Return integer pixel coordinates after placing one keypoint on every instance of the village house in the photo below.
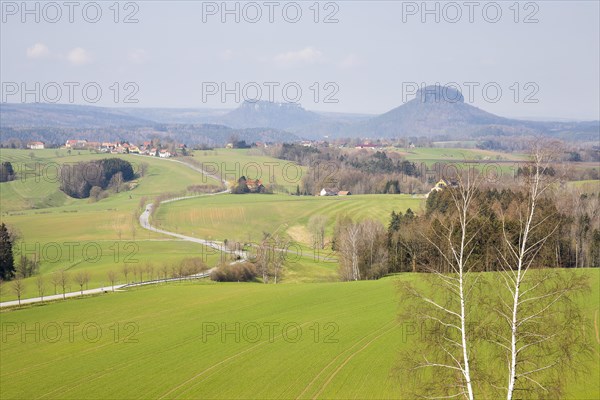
(255, 185)
(333, 192)
(93, 145)
(76, 143)
(107, 147)
(328, 192)
(367, 145)
(35, 145)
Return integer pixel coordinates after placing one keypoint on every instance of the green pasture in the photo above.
(231, 164)
(246, 217)
(222, 341)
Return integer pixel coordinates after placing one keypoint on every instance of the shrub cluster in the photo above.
(6, 172)
(238, 272)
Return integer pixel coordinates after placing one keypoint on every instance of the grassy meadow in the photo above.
(77, 234)
(236, 340)
(311, 337)
(246, 217)
(230, 164)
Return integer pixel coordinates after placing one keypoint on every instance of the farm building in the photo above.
(35, 145)
(76, 143)
(334, 192)
(329, 192)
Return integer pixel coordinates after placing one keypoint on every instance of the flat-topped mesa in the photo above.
(439, 94)
(269, 105)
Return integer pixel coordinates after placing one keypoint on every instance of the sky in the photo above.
(527, 59)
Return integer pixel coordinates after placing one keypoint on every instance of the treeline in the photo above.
(360, 172)
(362, 249)
(83, 179)
(571, 236)
(575, 153)
(569, 227)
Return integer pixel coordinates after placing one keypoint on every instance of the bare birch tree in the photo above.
(55, 280)
(278, 258)
(63, 279)
(80, 278)
(536, 306)
(262, 258)
(316, 227)
(40, 282)
(18, 287)
(445, 309)
(349, 247)
(112, 278)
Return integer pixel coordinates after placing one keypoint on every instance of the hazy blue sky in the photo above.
(373, 54)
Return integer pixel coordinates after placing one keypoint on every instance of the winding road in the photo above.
(145, 223)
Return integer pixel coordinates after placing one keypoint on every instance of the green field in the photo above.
(155, 341)
(587, 186)
(76, 234)
(230, 164)
(172, 342)
(246, 217)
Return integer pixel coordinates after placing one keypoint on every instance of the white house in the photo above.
(328, 192)
(76, 143)
(35, 145)
(164, 154)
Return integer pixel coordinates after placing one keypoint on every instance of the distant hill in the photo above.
(289, 116)
(176, 115)
(65, 116)
(435, 111)
(441, 111)
(55, 123)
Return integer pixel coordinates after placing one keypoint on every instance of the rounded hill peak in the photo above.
(439, 94)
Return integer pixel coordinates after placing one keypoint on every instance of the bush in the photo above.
(7, 172)
(238, 272)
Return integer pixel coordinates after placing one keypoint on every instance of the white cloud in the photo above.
(79, 56)
(308, 55)
(38, 50)
(350, 61)
(226, 55)
(137, 56)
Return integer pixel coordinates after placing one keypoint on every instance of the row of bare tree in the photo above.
(138, 272)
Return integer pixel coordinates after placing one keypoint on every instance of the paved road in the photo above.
(145, 216)
(57, 296)
(106, 289)
(145, 223)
